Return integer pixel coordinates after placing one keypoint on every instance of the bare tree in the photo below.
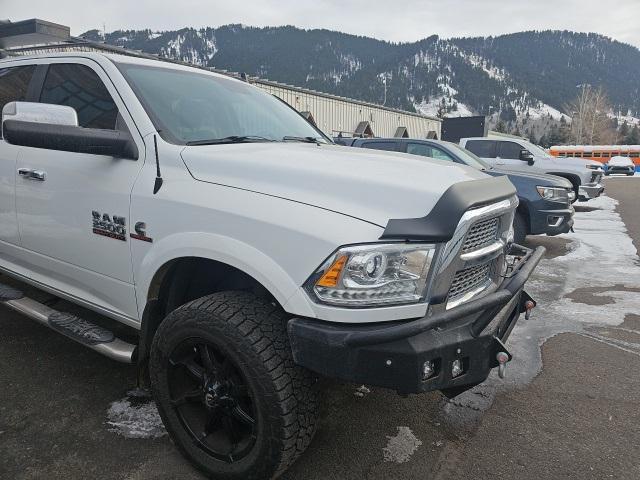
(590, 122)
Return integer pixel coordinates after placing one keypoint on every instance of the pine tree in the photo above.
(623, 132)
(633, 138)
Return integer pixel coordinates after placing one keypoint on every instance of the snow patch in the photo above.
(401, 446)
(601, 254)
(543, 110)
(431, 107)
(135, 416)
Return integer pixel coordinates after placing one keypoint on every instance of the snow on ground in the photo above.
(431, 107)
(543, 110)
(401, 446)
(630, 119)
(135, 416)
(600, 254)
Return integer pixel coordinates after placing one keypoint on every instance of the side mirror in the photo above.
(526, 156)
(55, 127)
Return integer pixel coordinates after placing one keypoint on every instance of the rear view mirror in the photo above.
(55, 127)
(40, 113)
(526, 156)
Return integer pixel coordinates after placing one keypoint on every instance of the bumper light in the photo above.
(428, 370)
(373, 275)
(457, 368)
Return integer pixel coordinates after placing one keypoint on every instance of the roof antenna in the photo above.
(158, 182)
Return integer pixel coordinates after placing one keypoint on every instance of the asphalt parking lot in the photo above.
(568, 408)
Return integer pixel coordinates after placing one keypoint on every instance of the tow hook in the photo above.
(528, 306)
(502, 358)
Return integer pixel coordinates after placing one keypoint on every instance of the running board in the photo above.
(82, 331)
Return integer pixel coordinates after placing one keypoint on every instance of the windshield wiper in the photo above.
(289, 138)
(231, 139)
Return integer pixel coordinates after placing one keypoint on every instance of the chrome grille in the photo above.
(481, 234)
(469, 279)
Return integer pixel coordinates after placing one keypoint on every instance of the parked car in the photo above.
(544, 200)
(521, 155)
(247, 253)
(619, 164)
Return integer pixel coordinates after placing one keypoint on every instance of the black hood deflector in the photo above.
(441, 222)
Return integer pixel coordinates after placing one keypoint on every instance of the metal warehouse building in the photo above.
(333, 114)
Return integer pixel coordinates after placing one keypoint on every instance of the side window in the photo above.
(390, 146)
(14, 83)
(419, 149)
(482, 148)
(80, 87)
(441, 155)
(510, 150)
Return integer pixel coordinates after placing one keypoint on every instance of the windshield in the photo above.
(188, 107)
(468, 157)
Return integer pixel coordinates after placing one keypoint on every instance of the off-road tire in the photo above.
(253, 333)
(519, 228)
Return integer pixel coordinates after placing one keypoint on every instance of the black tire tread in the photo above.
(260, 327)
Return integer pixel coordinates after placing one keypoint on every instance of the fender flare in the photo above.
(237, 254)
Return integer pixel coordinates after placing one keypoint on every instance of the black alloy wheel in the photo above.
(212, 400)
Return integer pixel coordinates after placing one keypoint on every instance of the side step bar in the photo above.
(88, 334)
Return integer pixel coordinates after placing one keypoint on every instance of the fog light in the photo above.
(456, 368)
(428, 370)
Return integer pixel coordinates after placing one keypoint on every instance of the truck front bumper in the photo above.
(589, 191)
(465, 339)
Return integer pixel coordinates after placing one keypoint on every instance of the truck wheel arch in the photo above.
(232, 265)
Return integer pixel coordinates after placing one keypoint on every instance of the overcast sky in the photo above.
(394, 20)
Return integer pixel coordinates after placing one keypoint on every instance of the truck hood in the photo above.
(575, 163)
(370, 185)
(540, 179)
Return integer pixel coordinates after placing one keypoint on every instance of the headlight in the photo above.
(373, 275)
(555, 194)
(594, 167)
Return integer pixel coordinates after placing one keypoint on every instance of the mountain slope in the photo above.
(532, 74)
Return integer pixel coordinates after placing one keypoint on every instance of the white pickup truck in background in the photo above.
(520, 155)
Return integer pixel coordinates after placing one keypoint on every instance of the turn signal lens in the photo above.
(373, 275)
(332, 275)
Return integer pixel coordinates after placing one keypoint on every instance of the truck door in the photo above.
(14, 84)
(508, 157)
(74, 219)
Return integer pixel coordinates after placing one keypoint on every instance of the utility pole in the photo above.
(384, 80)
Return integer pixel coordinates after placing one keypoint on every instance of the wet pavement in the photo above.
(567, 409)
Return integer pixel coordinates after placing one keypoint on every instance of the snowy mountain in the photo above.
(530, 76)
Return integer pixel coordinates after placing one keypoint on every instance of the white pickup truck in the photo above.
(248, 253)
(519, 155)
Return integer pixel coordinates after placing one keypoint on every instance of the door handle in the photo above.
(31, 174)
